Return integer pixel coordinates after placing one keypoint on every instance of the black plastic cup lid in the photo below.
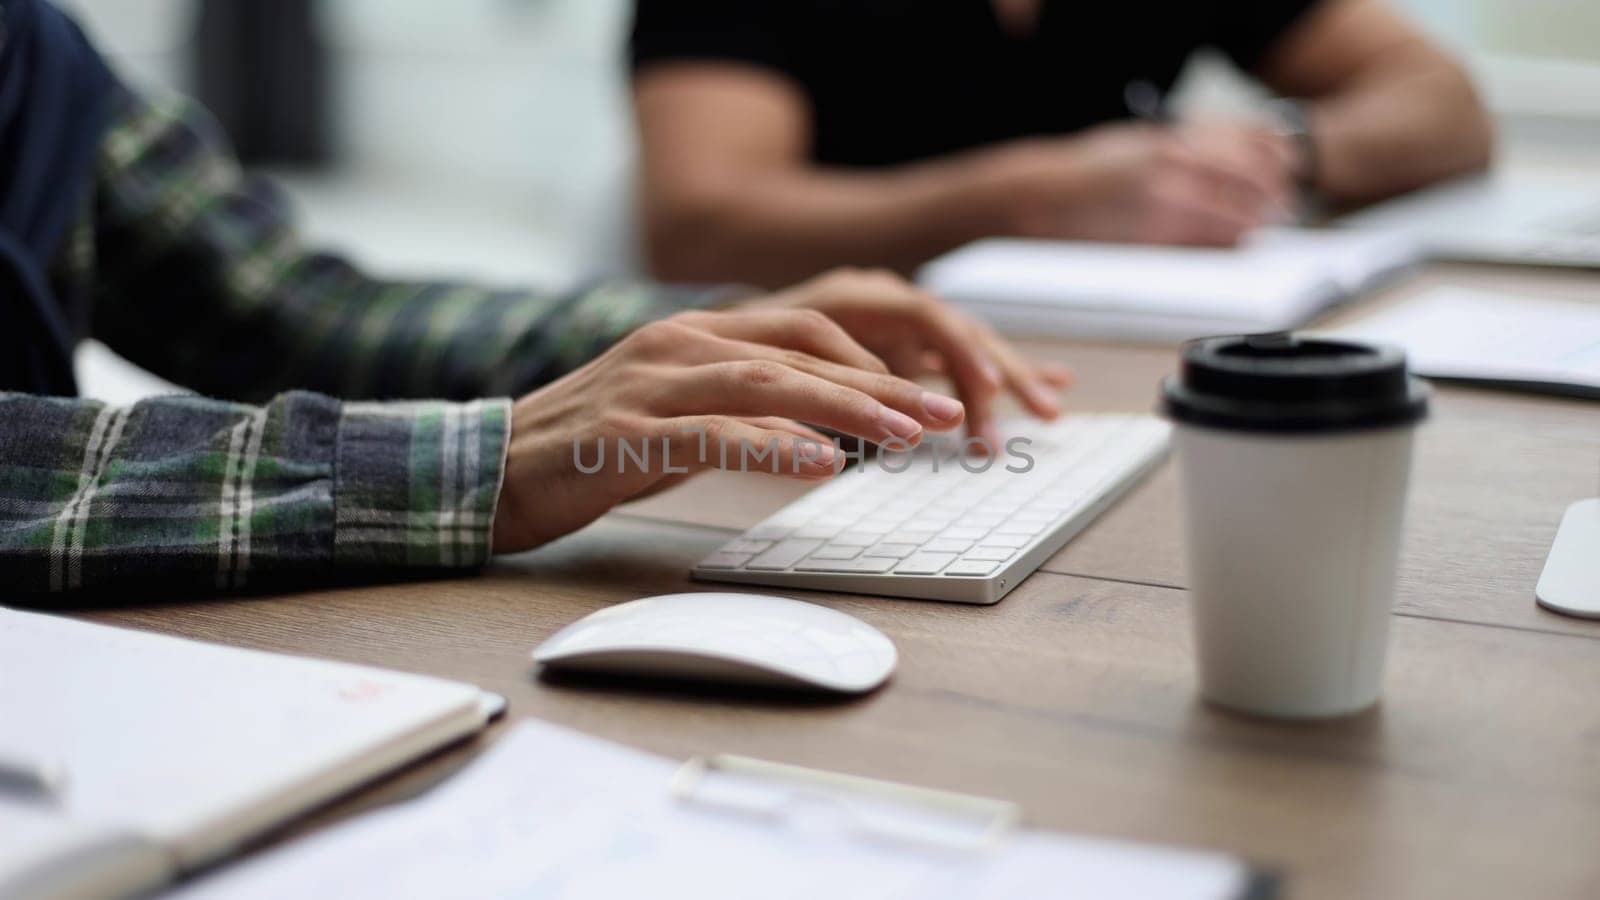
(1288, 383)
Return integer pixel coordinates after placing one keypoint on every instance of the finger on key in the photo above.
(759, 387)
(928, 409)
(724, 442)
(803, 330)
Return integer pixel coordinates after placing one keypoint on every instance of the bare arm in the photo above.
(1390, 110)
(729, 193)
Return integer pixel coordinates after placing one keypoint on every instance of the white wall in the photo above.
(510, 111)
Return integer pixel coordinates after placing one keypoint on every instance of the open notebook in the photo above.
(1278, 279)
(172, 753)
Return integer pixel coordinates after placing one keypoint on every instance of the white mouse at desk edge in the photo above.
(734, 638)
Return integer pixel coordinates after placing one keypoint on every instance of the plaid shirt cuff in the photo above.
(416, 484)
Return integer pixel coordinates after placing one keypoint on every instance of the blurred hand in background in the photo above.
(1205, 184)
(779, 140)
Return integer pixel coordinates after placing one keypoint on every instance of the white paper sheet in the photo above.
(197, 746)
(550, 813)
(1504, 338)
(1279, 278)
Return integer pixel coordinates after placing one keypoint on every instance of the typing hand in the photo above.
(699, 390)
(1207, 184)
(917, 335)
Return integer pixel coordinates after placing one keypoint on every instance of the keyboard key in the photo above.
(750, 548)
(869, 565)
(783, 555)
(886, 530)
(897, 551)
(725, 560)
(924, 563)
(1007, 540)
(859, 538)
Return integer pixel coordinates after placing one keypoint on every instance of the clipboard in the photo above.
(961, 823)
(775, 791)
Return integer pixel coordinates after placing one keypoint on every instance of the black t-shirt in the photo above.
(891, 81)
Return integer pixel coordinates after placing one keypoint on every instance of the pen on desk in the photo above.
(30, 779)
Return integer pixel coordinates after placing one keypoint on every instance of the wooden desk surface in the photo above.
(1478, 775)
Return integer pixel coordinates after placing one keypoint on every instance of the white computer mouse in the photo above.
(725, 637)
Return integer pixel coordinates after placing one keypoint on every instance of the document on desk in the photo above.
(550, 813)
(128, 757)
(1279, 278)
(1494, 338)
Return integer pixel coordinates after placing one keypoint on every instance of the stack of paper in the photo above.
(1276, 280)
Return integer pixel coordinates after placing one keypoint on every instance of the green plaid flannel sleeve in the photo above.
(194, 493)
(196, 272)
(198, 275)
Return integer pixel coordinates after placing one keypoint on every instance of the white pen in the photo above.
(30, 778)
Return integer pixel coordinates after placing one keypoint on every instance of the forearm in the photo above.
(186, 492)
(775, 226)
(200, 276)
(1397, 129)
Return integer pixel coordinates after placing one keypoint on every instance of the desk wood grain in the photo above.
(1478, 775)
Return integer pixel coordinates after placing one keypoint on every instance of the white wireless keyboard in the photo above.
(947, 534)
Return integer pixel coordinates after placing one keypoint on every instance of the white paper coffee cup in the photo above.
(1293, 456)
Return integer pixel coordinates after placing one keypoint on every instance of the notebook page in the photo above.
(1278, 278)
(44, 854)
(1359, 261)
(1151, 280)
(195, 745)
(551, 813)
(1456, 333)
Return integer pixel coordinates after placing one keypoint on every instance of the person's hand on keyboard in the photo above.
(700, 390)
(915, 334)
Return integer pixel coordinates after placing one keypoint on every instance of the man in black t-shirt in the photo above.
(781, 137)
